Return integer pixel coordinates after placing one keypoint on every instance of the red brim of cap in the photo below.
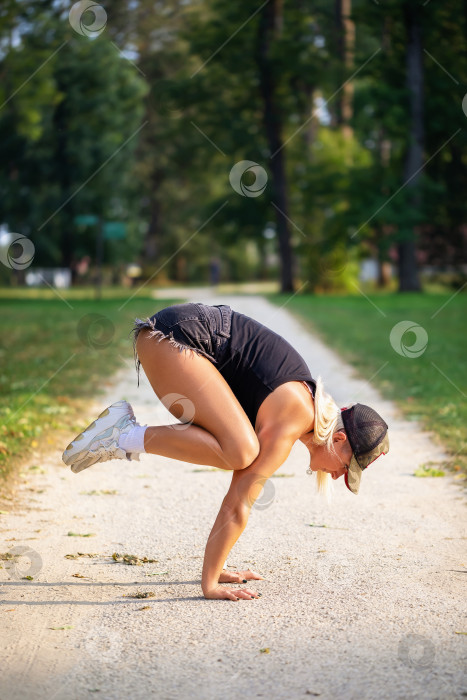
(347, 482)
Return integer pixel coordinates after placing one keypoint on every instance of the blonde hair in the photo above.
(328, 420)
(327, 417)
(324, 485)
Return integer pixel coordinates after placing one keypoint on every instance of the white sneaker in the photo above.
(99, 442)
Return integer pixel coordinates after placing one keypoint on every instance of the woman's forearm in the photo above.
(226, 530)
(244, 489)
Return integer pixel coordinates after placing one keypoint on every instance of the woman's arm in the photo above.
(246, 485)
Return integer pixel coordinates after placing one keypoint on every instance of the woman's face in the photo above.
(321, 459)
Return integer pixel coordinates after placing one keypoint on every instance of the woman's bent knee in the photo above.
(244, 455)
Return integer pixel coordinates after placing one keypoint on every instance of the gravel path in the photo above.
(367, 607)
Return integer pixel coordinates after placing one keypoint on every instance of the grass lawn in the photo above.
(431, 386)
(55, 356)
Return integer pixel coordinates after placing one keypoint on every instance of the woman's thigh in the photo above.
(194, 391)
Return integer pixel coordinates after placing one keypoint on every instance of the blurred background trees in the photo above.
(352, 108)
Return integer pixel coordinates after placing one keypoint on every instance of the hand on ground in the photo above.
(223, 593)
(239, 576)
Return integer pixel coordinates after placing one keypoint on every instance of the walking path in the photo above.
(367, 607)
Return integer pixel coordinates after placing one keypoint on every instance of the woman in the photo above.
(244, 396)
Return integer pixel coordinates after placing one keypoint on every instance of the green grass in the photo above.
(55, 356)
(431, 387)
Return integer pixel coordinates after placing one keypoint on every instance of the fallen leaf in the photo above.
(266, 650)
(132, 559)
(145, 607)
(428, 471)
(78, 576)
(77, 534)
(331, 527)
(140, 594)
(27, 578)
(65, 627)
(460, 632)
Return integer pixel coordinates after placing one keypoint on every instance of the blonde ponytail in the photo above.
(327, 421)
(327, 417)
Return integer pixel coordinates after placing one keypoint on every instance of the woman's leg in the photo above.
(217, 431)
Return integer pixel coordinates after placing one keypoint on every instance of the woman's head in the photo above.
(335, 461)
(327, 443)
(343, 442)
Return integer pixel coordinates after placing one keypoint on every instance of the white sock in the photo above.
(133, 440)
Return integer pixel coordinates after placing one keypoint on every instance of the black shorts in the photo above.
(253, 359)
(193, 326)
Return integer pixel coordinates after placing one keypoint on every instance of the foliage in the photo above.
(70, 106)
(144, 122)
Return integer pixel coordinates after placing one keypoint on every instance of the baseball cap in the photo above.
(367, 434)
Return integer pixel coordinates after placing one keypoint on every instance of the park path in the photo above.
(367, 607)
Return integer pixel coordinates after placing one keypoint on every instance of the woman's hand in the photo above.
(223, 593)
(239, 576)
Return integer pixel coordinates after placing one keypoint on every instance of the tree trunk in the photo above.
(408, 272)
(269, 23)
(345, 46)
(67, 243)
(384, 232)
(151, 239)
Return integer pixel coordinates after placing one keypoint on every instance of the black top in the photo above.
(257, 360)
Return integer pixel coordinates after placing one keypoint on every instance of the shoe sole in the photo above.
(80, 457)
(86, 458)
